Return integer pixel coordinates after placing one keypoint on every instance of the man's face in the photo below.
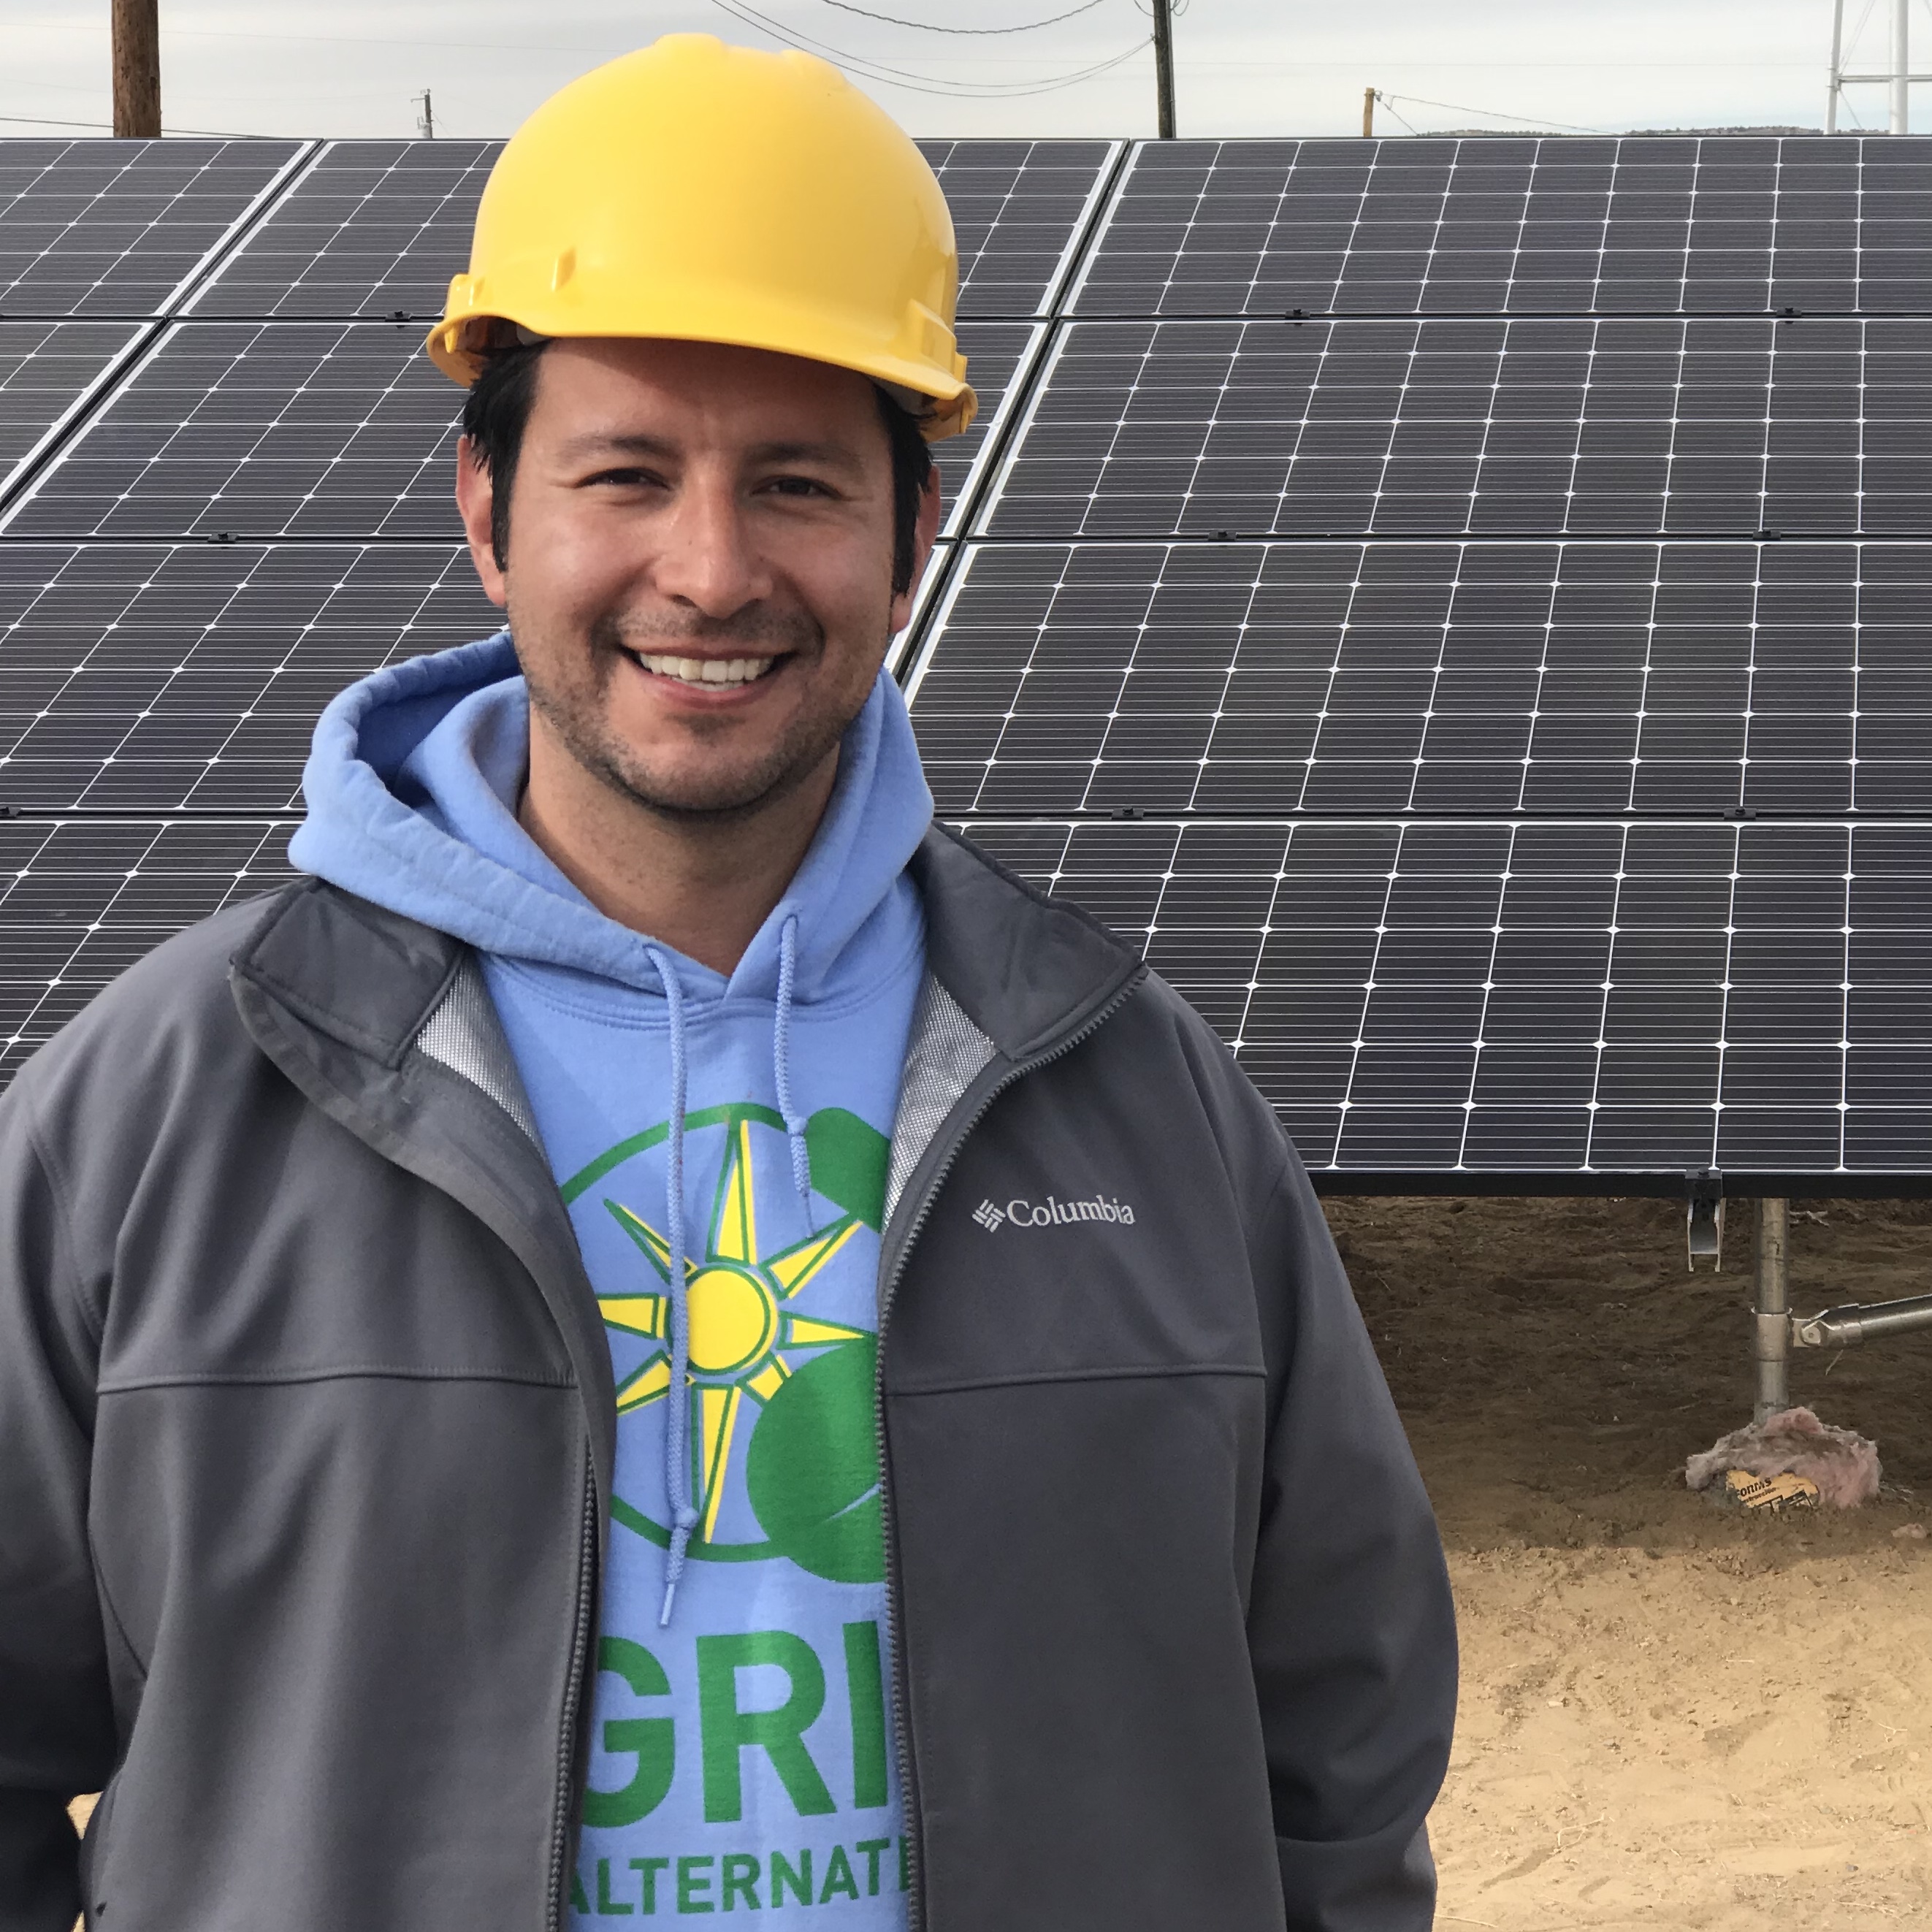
(699, 570)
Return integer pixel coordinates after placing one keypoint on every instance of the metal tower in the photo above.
(1897, 80)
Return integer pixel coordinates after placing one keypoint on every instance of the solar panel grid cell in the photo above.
(189, 676)
(81, 902)
(1500, 998)
(1502, 226)
(1431, 678)
(112, 228)
(1697, 426)
(324, 429)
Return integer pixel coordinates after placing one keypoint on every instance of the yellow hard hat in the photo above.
(719, 194)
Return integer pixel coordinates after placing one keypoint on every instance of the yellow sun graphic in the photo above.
(740, 1326)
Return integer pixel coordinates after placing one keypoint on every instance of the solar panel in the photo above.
(45, 369)
(324, 429)
(115, 228)
(1699, 426)
(81, 902)
(377, 228)
(1018, 208)
(157, 677)
(1496, 225)
(1423, 999)
(188, 677)
(1435, 678)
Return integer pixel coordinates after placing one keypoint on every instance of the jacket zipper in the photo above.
(573, 1702)
(915, 1895)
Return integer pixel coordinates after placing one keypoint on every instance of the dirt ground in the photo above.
(1672, 1716)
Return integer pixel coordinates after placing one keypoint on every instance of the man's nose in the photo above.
(708, 558)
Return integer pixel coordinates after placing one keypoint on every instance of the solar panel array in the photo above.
(1466, 606)
(1461, 604)
(225, 471)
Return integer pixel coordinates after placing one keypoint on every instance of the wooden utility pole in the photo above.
(1163, 64)
(137, 69)
(1368, 112)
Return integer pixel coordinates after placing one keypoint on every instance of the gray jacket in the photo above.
(307, 1424)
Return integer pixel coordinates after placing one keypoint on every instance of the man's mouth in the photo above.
(717, 673)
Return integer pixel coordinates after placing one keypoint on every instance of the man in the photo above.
(657, 1336)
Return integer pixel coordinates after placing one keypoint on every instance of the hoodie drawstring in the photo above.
(794, 1123)
(677, 1409)
(677, 1412)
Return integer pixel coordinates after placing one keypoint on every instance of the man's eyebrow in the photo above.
(595, 443)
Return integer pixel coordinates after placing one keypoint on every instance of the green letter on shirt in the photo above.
(727, 1730)
(650, 1737)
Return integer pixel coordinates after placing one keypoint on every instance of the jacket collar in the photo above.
(1025, 969)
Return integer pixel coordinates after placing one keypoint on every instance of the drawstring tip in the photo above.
(671, 1598)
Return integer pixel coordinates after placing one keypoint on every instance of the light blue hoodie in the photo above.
(740, 1737)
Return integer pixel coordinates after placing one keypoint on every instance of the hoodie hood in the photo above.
(412, 784)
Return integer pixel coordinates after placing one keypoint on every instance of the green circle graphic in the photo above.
(812, 1468)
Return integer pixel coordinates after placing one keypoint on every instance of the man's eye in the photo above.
(629, 479)
(798, 486)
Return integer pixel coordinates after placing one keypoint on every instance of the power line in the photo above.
(920, 83)
(926, 27)
(213, 133)
(1462, 107)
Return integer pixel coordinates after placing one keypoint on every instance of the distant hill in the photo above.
(1630, 134)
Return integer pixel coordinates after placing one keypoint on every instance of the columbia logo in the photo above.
(1051, 1213)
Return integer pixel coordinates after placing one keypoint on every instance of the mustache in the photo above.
(759, 630)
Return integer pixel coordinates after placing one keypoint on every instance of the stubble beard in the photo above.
(717, 793)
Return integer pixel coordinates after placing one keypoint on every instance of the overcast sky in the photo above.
(1244, 67)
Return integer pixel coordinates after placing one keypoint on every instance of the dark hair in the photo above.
(497, 408)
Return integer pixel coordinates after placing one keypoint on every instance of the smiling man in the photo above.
(657, 1336)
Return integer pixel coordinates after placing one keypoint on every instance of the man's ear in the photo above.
(925, 533)
(476, 504)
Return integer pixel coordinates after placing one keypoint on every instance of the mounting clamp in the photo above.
(1704, 1218)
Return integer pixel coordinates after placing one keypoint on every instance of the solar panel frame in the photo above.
(262, 430)
(48, 370)
(1501, 225)
(121, 229)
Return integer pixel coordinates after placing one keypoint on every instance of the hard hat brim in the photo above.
(458, 345)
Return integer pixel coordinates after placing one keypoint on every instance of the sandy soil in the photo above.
(1672, 1716)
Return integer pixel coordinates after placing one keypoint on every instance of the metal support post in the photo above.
(1771, 1344)
(1837, 66)
(1163, 65)
(1901, 67)
(1368, 112)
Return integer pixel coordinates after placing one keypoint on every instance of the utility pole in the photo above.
(1368, 113)
(1163, 64)
(137, 69)
(426, 120)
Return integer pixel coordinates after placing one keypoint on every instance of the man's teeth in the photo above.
(707, 670)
